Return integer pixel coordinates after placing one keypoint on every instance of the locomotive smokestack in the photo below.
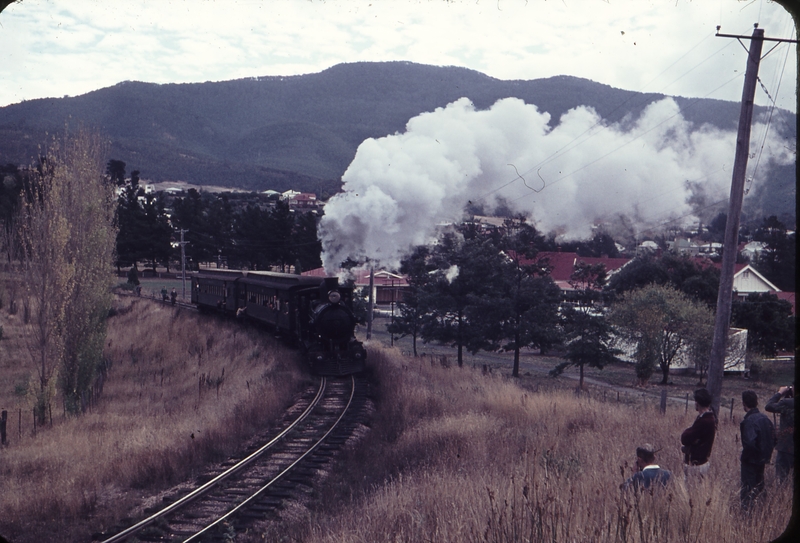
(327, 285)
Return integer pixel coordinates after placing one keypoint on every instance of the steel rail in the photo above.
(275, 479)
(199, 491)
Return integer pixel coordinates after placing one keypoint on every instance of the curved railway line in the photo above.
(283, 467)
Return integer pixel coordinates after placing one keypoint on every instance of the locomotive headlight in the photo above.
(334, 297)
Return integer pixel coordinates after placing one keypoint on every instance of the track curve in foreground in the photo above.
(257, 484)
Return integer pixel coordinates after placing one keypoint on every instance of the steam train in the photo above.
(312, 313)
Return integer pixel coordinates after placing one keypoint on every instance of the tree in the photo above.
(778, 259)
(190, 214)
(661, 321)
(281, 235)
(307, 247)
(678, 271)
(115, 170)
(144, 232)
(156, 231)
(588, 334)
(11, 185)
(412, 307)
(528, 301)
(249, 249)
(67, 238)
(769, 322)
(462, 294)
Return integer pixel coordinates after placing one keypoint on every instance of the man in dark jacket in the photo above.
(698, 439)
(783, 403)
(758, 440)
(648, 472)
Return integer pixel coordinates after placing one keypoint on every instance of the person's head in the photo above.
(645, 455)
(702, 399)
(749, 400)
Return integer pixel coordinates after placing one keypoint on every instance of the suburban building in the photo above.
(387, 287)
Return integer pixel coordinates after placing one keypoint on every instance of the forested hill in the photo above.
(303, 131)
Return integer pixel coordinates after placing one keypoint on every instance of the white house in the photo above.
(747, 280)
(682, 363)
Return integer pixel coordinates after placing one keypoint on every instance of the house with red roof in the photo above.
(562, 265)
(387, 287)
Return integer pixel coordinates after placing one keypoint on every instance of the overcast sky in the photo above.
(70, 47)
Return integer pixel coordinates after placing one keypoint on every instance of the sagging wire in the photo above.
(772, 108)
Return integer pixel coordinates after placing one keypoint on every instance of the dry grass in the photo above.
(183, 390)
(453, 455)
(460, 456)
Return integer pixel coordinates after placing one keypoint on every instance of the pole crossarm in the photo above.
(759, 36)
(751, 37)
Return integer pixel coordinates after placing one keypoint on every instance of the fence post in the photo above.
(731, 408)
(3, 419)
(687, 404)
(663, 400)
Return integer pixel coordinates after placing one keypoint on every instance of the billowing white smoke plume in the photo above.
(565, 179)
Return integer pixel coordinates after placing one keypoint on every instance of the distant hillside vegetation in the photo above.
(303, 131)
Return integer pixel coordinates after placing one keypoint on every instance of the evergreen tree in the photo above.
(11, 186)
(463, 293)
(588, 334)
(249, 248)
(190, 213)
(528, 302)
(678, 271)
(769, 322)
(307, 247)
(412, 308)
(778, 259)
(282, 244)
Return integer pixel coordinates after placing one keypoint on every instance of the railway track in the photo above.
(282, 468)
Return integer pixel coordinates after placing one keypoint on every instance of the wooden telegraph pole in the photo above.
(730, 246)
(371, 303)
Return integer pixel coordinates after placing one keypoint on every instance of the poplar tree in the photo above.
(68, 237)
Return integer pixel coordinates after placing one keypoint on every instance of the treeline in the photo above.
(245, 231)
(487, 291)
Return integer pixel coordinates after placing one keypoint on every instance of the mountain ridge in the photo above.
(280, 132)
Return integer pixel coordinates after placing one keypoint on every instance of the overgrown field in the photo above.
(460, 456)
(453, 455)
(182, 390)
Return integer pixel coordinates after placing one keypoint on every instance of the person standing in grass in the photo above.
(648, 472)
(697, 440)
(783, 403)
(758, 440)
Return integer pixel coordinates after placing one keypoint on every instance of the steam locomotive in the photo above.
(312, 313)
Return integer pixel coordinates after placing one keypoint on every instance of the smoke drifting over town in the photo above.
(565, 179)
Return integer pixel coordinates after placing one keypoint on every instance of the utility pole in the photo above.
(371, 303)
(730, 246)
(183, 263)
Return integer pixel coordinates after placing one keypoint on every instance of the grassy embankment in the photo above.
(454, 455)
(458, 455)
(183, 390)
